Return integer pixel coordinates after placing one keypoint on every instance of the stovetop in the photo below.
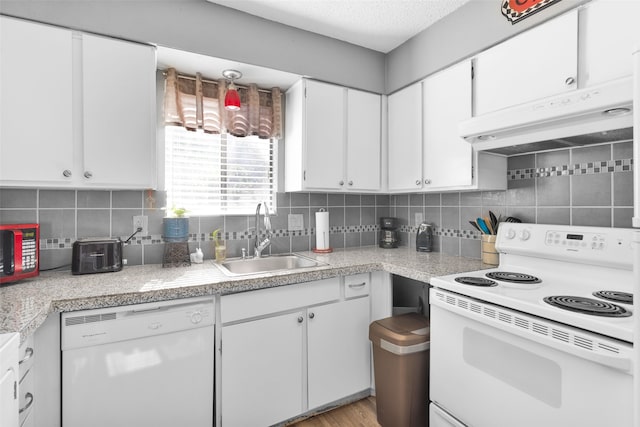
(558, 261)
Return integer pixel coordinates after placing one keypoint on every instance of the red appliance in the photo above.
(19, 251)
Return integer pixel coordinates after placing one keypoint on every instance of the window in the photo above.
(218, 174)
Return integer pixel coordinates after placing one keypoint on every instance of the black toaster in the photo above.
(96, 256)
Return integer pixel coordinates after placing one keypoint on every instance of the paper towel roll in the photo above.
(322, 230)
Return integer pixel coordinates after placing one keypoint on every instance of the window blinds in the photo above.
(217, 174)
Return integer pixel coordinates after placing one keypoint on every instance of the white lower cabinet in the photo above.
(306, 346)
(262, 374)
(9, 377)
(338, 350)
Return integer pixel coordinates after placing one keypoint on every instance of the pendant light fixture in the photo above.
(232, 98)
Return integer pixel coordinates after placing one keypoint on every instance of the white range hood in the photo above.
(585, 116)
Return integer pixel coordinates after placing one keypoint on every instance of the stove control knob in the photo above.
(510, 234)
(524, 235)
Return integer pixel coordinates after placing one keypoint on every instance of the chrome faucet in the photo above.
(262, 245)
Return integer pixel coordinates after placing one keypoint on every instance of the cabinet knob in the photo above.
(418, 182)
(88, 174)
(427, 181)
(300, 319)
(569, 81)
(350, 182)
(312, 315)
(66, 173)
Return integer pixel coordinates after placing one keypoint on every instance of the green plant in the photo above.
(178, 212)
(216, 237)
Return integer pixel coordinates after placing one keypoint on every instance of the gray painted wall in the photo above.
(209, 29)
(472, 28)
(202, 27)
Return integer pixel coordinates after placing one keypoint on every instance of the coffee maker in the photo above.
(389, 235)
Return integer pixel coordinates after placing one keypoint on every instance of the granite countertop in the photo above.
(25, 305)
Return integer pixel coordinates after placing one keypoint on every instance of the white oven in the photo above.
(503, 354)
(495, 367)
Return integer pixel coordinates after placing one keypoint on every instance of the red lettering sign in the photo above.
(515, 10)
(522, 5)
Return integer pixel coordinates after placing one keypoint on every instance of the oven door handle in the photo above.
(607, 352)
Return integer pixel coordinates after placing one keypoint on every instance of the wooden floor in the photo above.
(358, 414)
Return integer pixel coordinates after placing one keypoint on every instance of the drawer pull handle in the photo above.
(28, 354)
(359, 285)
(29, 398)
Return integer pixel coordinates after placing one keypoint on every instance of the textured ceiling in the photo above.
(380, 25)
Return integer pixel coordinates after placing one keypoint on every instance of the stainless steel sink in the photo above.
(238, 267)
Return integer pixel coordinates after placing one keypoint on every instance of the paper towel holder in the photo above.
(328, 249)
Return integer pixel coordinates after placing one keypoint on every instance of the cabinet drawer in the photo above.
(267, 301)
(357, 285)
(26, 357)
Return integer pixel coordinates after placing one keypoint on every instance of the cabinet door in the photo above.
(405, 139)
(262, 371)
(532, 65)
(119, 113)
(363, 140)
(325, 136)
(608, 36)
(36, 141)
(8, 399)
(338, 351)
(447, 101)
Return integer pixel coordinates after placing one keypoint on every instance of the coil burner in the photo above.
(507, 276)
(615, 296)
(587, 306)
(475, 281)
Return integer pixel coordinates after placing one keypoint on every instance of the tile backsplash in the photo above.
(578, 186)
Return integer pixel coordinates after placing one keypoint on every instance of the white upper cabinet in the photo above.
(363, 141)
(332, 138)
(87, 119)
(324, 122)
(36, 134)
(405, 139)
(608, 36)
(448, 159)
(426, 152)
(540, 62)
(118, 99)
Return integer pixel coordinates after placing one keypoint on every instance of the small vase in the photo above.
(220, 252)
(176, 229)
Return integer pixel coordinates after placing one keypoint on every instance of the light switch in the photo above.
(296, 222)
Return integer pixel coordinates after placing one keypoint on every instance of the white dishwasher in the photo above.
(140, 365)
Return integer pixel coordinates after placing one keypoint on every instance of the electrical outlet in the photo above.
(143, 222)
(295, 222)
(418, 218)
